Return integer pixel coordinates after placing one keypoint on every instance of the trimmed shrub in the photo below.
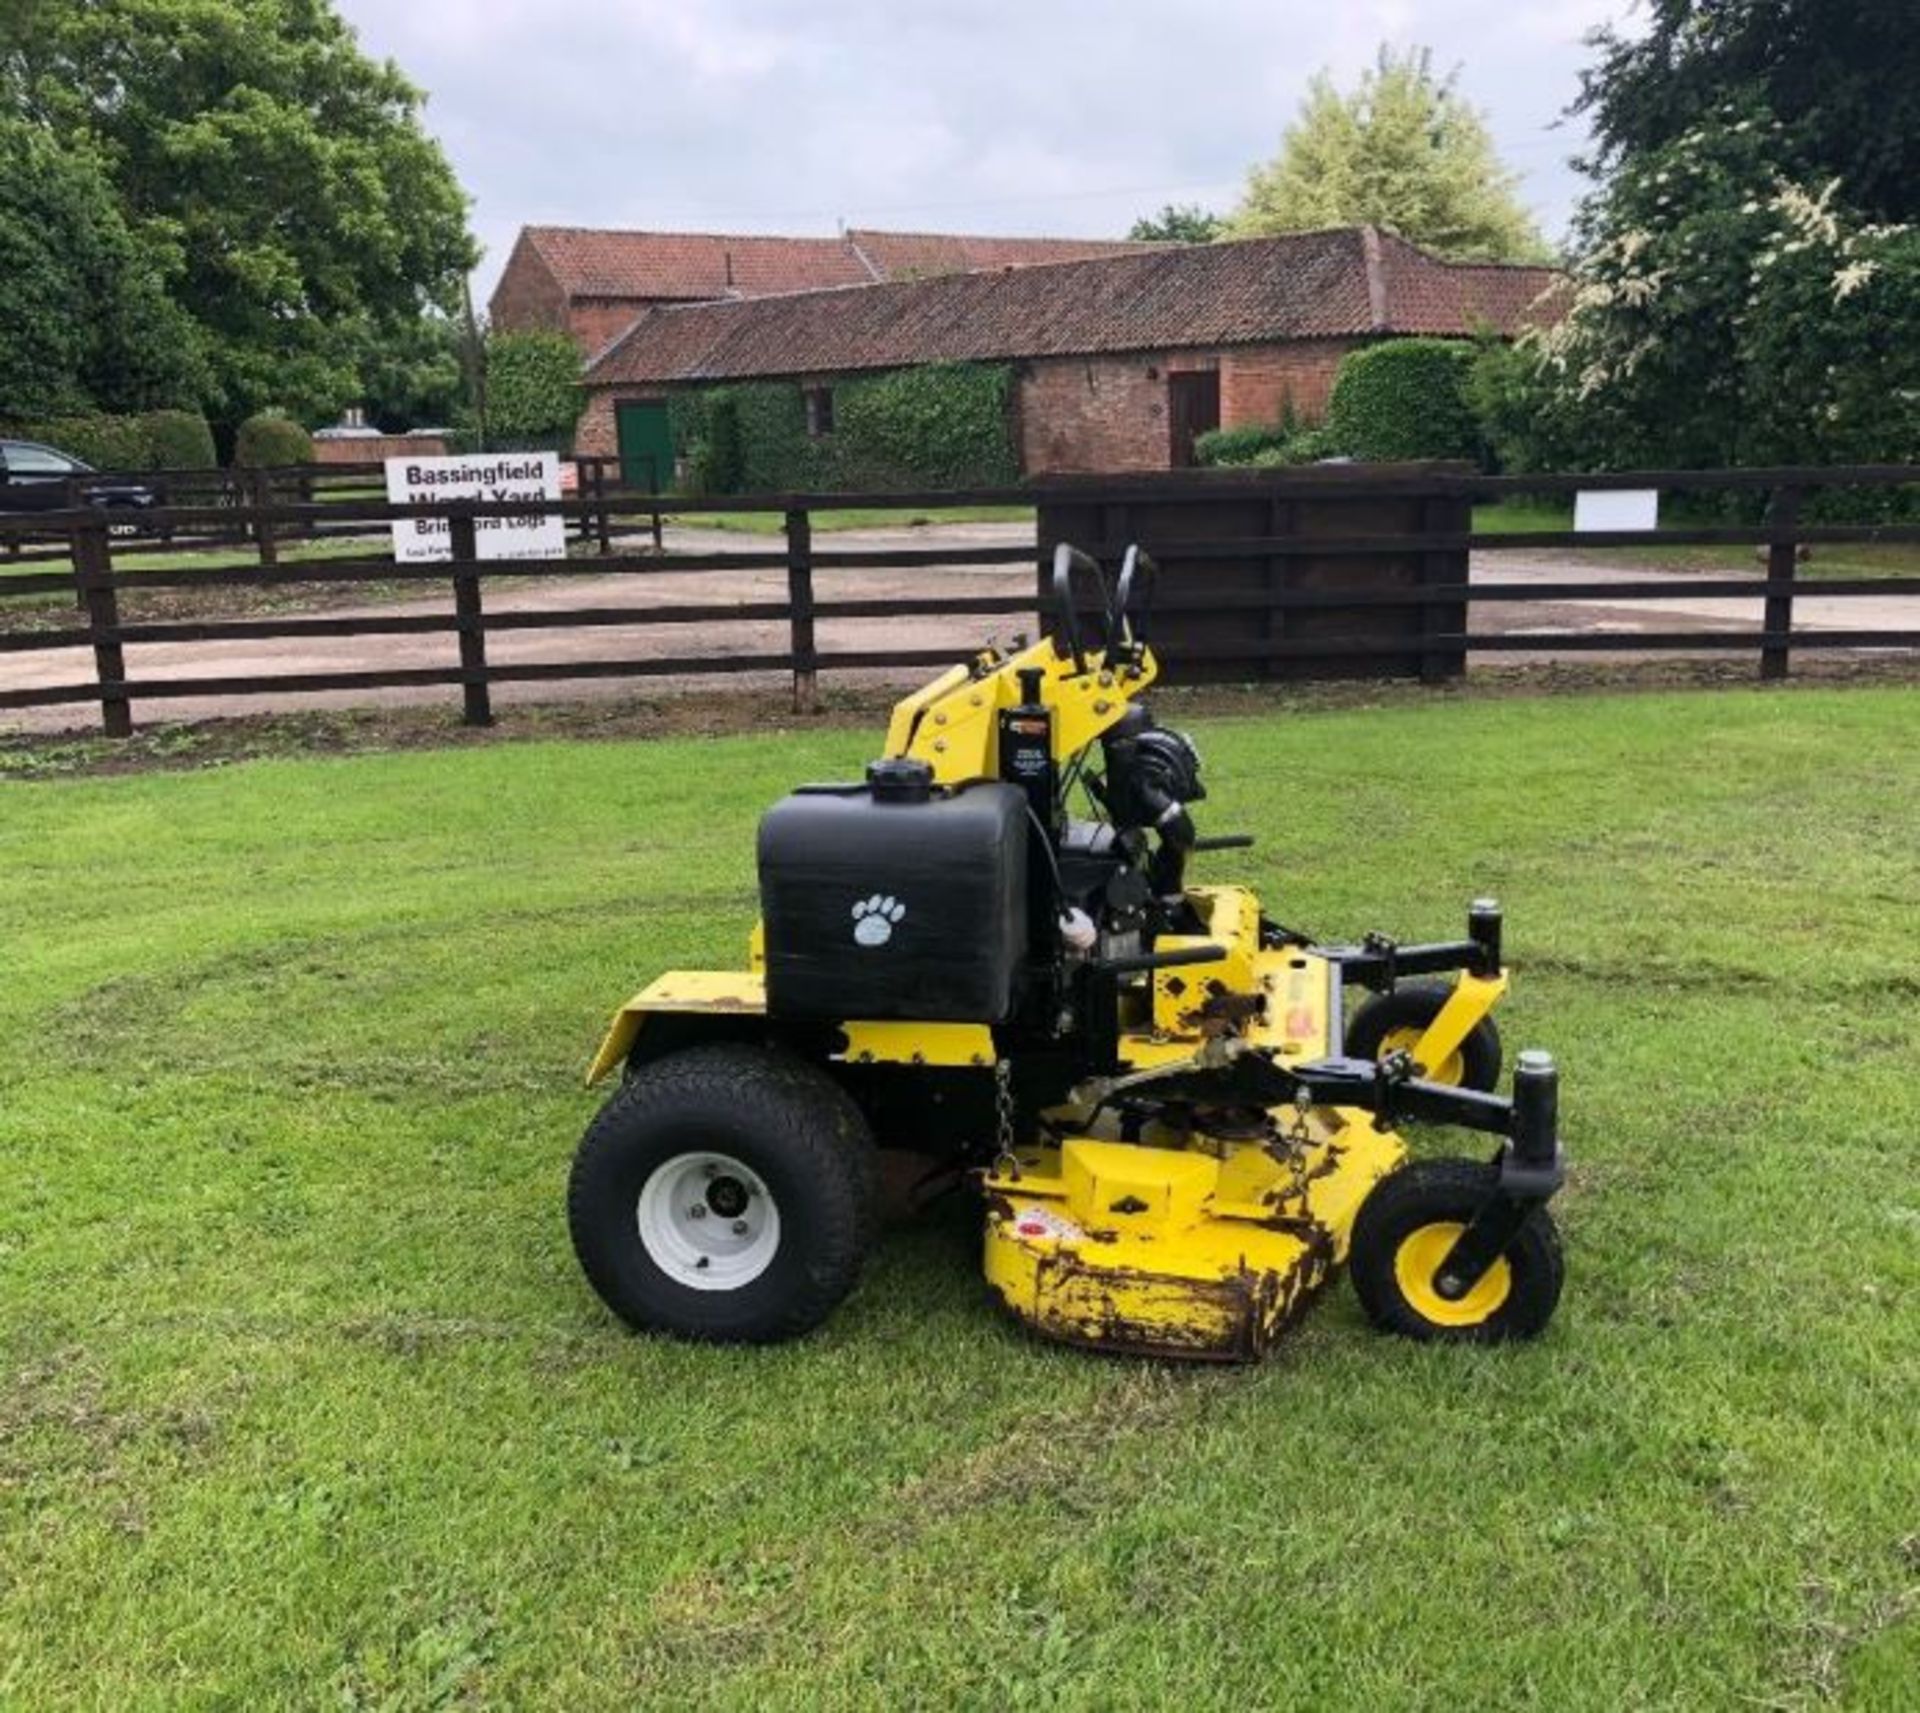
(158, 440)
(1405, 398)
(180, 440)
(533, 390)
(1243, 444)
(1309, 446)
(270, 439)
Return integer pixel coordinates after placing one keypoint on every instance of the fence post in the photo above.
(605, 518)
(1442, 515)
(1783, 520)
(470, 622)
(262, 484)
(806, 687)
(93, 579)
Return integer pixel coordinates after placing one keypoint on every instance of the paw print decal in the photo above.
(873, 919)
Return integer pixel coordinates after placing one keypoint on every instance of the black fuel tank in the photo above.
(895, 901)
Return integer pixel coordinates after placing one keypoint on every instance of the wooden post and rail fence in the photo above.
(1321, 572)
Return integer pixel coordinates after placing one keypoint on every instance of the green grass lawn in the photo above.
(1843, 559)
(303, 1402)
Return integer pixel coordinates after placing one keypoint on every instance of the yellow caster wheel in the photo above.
(1392, 1022)
(1405, 1230)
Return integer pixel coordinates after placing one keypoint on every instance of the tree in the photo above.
(1404, 151)
(1177, 223)
(85, 323)
(1841, 76)
(276, 177)
(414, 379)
(1728, 311)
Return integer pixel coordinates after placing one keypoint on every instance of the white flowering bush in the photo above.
(1725, 312)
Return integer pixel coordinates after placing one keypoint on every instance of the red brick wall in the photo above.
(595, 433)
(528, 297)
(595, 322)
(1081, 414)
(1093, 413)
(372, 449)
(1256, 381)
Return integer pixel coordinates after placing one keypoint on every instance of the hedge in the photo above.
(944, 425)
(156, 440)
(1239, 445)
(940, 425)
(1406, 398)
(533, 387)
(269, 440)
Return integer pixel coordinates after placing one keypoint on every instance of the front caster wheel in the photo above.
(725, 1193)
(1391, 1022)
(1407, 1225)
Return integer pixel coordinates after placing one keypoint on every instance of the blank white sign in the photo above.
(1617, 508)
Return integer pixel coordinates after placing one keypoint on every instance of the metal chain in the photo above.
(1006, 1163)
(1297, 1139)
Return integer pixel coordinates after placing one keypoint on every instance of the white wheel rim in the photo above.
(708, 1222)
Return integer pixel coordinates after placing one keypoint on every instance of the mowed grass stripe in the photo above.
(302, 1401)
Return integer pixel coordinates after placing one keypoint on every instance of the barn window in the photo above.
(819, 411)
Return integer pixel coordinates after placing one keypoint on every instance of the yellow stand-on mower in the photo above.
(1180, 1132)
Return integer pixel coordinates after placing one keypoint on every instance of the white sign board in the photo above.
(1617, 508)
(481, 476)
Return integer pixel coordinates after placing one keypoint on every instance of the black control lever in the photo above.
(1162, 960)
(1223, 842)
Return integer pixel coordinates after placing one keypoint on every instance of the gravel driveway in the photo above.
(958, 632)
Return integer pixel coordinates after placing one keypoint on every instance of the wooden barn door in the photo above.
(1193, 409)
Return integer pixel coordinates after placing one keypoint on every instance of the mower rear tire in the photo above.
(725, 1193)
(1405, 1229)
(1391, 1021)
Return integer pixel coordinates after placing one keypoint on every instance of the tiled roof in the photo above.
(920, 255)
(704, 265)
(1343, 283)
(1427, 295)
(691, 265)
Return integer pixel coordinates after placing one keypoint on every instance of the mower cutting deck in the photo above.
(1180, 1132)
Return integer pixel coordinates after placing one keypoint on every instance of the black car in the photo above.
(36, 478)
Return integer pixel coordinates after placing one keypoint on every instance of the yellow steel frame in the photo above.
(953, 724)
(1208, 1247)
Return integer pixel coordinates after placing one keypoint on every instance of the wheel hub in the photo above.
(707, 1222)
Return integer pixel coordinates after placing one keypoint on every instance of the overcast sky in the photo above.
(1018, 116)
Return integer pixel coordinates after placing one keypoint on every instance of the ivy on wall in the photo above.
(940, 425)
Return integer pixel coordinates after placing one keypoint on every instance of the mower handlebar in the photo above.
(1067, 560)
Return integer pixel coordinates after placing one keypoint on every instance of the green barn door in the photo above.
(646, 444)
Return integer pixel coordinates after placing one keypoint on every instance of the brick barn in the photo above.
(1121, 360)
(593, 284)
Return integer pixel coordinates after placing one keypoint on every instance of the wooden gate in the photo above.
(1232, 544)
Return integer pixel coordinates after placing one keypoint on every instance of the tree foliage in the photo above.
(1177, 223)
(278, 179)
(1841, 76)
(84, 321)
(1728, 311)
(1404, 150)
(414, 378)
